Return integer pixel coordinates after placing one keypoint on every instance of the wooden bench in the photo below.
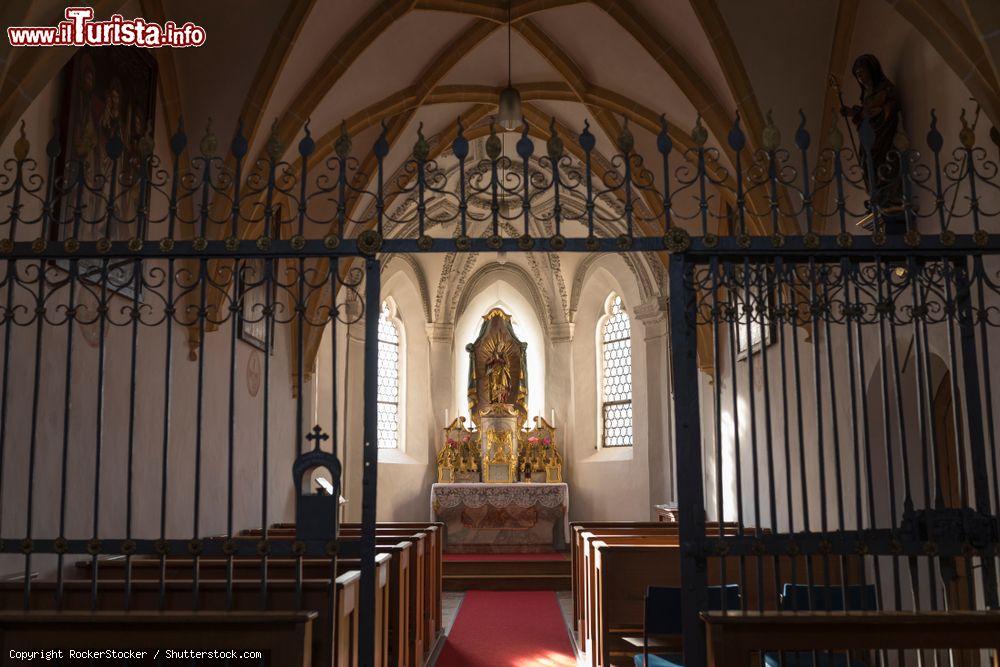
(283, 637)
(334, 601)
(431, 558)
(425, 592)
(405, 613)
(586, 623)
(623, 571)
(734, 637)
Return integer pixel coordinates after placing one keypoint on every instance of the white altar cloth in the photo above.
(502, 518)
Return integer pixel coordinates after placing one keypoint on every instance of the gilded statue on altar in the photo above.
(498, 447)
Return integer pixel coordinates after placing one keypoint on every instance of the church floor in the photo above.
(507, 629)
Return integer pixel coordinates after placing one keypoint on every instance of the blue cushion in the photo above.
(666, 660)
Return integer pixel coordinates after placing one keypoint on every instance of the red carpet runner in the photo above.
(508, 629)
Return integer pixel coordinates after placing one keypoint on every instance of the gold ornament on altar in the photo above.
(500, 456)
(539, 458)
(497, 369)
(459, 459)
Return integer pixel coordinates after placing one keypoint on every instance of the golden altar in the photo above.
(498, 446)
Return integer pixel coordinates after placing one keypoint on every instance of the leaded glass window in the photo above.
(388, 380)
(616, 371)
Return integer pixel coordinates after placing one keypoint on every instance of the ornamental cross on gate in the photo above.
(317, 436)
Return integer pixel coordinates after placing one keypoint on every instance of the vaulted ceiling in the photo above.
(407, 62)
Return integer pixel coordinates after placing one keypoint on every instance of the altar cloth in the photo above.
(502, 518)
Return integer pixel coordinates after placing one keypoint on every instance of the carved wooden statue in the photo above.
(879, 107)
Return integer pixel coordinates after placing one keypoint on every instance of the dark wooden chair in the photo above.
(661, 627)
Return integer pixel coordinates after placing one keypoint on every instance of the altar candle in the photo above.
(552, 417)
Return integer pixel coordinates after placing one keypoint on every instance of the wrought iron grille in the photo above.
(855, 456)
(137, 261)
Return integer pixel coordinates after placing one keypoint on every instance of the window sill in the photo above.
(395, 456)
(610, 454)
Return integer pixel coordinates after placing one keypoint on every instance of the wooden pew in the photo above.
(733, 638)
(425, 588)
(581, 580)
(623, 572)
(393, 641)
(283, 637)
(404, 598)
(432, 584)
(334, 629)
(587, 623)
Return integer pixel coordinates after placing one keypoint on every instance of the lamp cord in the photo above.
(509, 2)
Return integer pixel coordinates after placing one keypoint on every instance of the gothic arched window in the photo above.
(389, 377)
(615, 338)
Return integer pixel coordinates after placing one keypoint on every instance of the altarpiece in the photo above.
(500, 485)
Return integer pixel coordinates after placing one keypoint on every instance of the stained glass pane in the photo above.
(388, 381)
(616, 385)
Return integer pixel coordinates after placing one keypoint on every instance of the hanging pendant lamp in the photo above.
(509, 105)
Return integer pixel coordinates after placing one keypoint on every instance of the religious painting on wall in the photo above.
(106, 131)
(252, 284)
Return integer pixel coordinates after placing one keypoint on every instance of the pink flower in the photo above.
(533, 439)
(547, 441)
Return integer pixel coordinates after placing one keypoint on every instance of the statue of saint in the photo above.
(498, 375)
(880, 107)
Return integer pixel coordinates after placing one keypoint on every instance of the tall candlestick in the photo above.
(552, 417)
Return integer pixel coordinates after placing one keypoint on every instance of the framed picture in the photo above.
(108, 92)
(251, 292)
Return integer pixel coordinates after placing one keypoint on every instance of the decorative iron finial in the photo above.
(238, 147)
(626, 142)
(208, 142)
(307, 145)
(316, 436)
(802, 138)
(421, 148)
(525, 146)
(663, 142)
(493, 145)
(586, 138)
(21, 146)
(967, 136)
(460, 146)
(699, 135)
(53, 148)
(179, 140)
(554, 146)
(382, 143)
(115, 147)
(934, 139)
(275, 149)
(737, 140)
(770, 136)
(146, 144)
(342, 147)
